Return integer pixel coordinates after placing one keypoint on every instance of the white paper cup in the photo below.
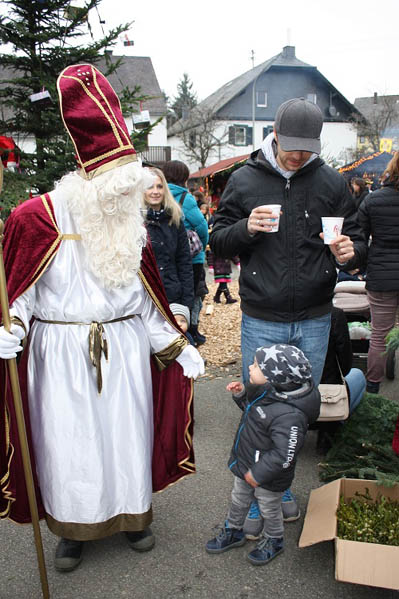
(332, 227)
(275, 208)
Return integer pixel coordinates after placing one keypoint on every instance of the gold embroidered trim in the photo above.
(92, 97)
(164, 357)
(19, 322)
(185, 464)
(127, 138)
(108, 166)
(55, 243)
(5, 481)
(74, 236)
(99, 530)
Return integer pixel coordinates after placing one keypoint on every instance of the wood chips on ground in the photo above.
(222, 329)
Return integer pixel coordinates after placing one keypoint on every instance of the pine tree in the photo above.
(46, 36)
(186, 98)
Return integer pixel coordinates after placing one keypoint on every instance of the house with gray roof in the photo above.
(244, 109)
(133, 71)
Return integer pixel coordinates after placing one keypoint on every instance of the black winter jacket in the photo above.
(172, 253)
(339, 349)
(271, 433)
(378, 215)
(289, 275)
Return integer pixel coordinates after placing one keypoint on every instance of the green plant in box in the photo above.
(369, 521)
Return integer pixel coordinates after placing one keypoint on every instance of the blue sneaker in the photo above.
(253, 524)
(266, 550)
(290, 507)
(228, 538)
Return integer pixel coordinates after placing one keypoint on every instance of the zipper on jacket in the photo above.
(291, 248)
(249, 406)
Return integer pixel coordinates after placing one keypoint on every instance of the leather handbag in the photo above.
(334, 401)
(194, 240)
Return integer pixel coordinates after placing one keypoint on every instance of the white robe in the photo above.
(93, 451)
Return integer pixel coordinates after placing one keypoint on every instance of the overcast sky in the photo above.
(353, 43)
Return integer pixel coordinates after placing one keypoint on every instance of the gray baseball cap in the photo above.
(298, 125)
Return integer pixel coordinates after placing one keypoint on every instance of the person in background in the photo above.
(378, 215)
(221, 268)
(182, 317)
(177, 174)
(339, 360)
(199, 197)
(279, 403)
(360, 190)
(164, 221)
(287, 278)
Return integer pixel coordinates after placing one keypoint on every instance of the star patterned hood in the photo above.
(285, 366)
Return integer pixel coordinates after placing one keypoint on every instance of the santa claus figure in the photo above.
(106, 373)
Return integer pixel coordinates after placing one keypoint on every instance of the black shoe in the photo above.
(68, 555)
(216, 298)
(141, 540)
(199, 339)
(229, 299)
(372, 387)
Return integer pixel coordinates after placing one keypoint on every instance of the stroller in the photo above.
(351, 297)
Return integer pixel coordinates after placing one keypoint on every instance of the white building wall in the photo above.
(336, 140)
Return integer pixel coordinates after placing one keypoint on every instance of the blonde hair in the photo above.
(169, 203)
(391, 173)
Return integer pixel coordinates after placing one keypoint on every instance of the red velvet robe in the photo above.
(31, 240)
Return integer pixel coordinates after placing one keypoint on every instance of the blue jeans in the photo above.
(311, 336)
(356, 382)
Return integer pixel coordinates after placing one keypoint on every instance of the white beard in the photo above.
(107, 212)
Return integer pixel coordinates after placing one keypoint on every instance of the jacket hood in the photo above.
(177, 190)
(306, 399)
(258, 160)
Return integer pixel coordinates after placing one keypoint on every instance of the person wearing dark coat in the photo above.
(360, 190)
(164, 221)
(378, 215)
(279, 403)
(338, 364)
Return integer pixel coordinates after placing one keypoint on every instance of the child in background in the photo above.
(279, 403)
(221, 268)
(182, 317)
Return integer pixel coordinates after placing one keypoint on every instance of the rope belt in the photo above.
(97, 341)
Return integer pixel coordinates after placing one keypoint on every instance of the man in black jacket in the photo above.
(287, 277)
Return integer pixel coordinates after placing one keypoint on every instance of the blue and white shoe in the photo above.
(253, 524)
(290, 507)
(267, 549)
(228, 538)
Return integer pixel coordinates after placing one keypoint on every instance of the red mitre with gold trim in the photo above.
(92, 115)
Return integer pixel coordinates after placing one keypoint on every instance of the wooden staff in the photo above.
(16, 392)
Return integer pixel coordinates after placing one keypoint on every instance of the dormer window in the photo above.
(312, 98)
(261, 99)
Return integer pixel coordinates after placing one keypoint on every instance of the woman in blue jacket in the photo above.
(177, 174)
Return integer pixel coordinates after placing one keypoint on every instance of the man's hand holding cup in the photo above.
(264, 219)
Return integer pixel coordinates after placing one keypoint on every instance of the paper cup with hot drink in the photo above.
(332, 227)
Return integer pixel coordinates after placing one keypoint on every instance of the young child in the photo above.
(182, 317)
(279, 403)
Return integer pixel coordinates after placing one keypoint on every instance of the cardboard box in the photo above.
(360, 563)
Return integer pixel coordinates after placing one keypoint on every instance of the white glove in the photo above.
(191, 362)
(10, 343)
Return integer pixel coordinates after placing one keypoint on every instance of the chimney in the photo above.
(288, 52)
(375, 101)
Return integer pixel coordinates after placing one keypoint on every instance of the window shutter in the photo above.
(232, 137)
(249, 136)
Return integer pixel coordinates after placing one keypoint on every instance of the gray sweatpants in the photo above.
(269, 502)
